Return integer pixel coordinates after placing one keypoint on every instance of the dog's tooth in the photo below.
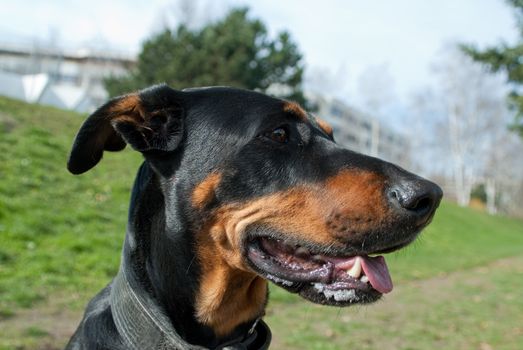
(364, 279)
(302, 252)
(317, 258)
(355, 270)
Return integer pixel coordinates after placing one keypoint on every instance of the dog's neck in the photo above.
(227, 297)
(207, 304)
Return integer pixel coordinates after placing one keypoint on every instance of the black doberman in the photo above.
(238, 188)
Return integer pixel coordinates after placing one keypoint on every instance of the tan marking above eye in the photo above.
(324, 126)
(295, 109)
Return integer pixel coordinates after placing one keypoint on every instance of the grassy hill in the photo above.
(61, 235)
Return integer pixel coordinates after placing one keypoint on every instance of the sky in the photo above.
(347, 44)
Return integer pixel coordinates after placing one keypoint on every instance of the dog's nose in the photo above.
(417, 198)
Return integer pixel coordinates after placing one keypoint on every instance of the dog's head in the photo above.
(264, 191)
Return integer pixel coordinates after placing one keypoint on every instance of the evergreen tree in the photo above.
(235, 51)
(509, 59)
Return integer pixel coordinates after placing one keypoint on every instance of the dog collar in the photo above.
(143, 326)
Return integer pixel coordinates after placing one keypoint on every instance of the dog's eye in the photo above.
(279, 135)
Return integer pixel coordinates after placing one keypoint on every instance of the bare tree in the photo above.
(378, 97)
(473, 104)
(421, 122)
(504, 175)
(460, 127)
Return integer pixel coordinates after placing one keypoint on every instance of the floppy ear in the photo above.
(149, 120)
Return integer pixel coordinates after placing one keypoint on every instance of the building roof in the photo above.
(82, 54)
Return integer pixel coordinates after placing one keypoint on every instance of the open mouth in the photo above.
(324, 279)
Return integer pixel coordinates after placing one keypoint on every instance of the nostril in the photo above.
(421, 205)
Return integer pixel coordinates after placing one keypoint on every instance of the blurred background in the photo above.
(433, 86)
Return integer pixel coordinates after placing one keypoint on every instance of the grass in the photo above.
(61, 235)
(57, 231)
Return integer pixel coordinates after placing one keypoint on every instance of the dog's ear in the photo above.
(150, 120)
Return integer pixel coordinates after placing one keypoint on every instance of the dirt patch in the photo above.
(47, 326)
(7, 123)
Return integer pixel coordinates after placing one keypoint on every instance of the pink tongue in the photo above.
(376, 270)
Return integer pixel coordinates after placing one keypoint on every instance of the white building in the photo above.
(70, 80)
(74, 80)
(360, 132)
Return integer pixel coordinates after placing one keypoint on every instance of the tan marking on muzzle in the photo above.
(230, 293)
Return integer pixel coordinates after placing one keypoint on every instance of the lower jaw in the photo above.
(337, 293)
(334, 295)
